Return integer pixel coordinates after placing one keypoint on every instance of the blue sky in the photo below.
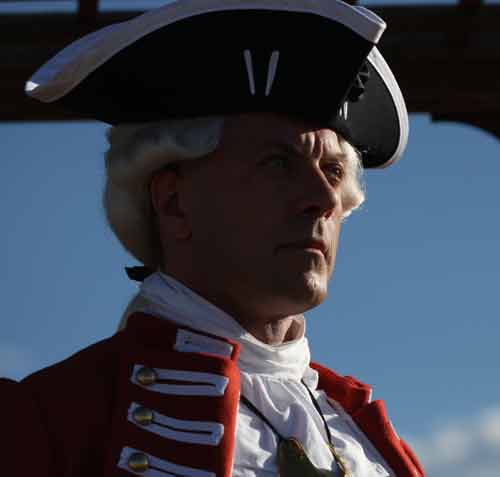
(413, 307)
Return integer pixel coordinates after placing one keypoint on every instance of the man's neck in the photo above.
(271, 330)
(277, 332)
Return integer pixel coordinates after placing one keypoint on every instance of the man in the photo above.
(231, 191)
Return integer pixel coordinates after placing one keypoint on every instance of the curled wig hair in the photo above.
(137, 151)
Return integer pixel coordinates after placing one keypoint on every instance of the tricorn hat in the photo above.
(315, 59)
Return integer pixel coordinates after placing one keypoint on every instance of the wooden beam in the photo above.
(488, 123)
(470, 3)
(449, 80)
(87, 11)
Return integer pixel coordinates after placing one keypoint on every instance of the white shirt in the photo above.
(271, 378)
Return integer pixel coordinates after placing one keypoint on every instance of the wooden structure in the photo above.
(446, 58)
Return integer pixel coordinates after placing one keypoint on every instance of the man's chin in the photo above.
(307, 293)
(317, 289)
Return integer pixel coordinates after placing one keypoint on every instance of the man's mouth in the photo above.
(312, 245)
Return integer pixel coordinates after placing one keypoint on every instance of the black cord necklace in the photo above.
(292, 458)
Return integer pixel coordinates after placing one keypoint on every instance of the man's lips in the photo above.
(312, 244)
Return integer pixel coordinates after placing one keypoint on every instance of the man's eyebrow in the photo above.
(295, 150)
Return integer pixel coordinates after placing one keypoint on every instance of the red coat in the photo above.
(74, 419)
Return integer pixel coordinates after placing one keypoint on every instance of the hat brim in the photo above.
(186, 60)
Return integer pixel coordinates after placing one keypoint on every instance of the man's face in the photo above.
(264, 212)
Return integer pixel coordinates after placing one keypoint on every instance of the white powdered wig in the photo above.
(137, 151)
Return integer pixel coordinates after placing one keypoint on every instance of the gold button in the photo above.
(138, 462)
(143, 416)
(146, 376)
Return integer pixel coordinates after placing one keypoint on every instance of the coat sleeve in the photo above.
(25, 443)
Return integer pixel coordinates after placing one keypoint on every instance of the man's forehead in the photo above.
(316, 143)
(265, 130)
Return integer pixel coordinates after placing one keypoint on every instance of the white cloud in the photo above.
(462, 448)
(16, 361)
(489, 426)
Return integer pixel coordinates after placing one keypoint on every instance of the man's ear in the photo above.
(164, 190)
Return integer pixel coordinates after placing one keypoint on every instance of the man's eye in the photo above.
(277, 161)
(333, 170)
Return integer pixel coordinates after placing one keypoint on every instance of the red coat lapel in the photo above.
(371, 417)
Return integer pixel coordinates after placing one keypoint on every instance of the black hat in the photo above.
(315, 59)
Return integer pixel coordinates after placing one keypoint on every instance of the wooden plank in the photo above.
(438, 76)
(470, 3)
(87, 11)
(487, 123)
(410, 19)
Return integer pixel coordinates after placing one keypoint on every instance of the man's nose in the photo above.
(319, 197)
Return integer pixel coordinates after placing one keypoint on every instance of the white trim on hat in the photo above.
(271, 70)
(248, 63)
(73, 64)
(377, 61)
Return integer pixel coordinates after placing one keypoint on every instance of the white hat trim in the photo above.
(73, 64)
(377, 61)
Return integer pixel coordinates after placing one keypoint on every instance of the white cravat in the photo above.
(271, 379)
